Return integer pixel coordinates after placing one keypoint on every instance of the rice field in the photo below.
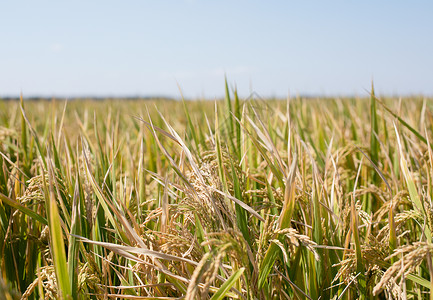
(231, 199)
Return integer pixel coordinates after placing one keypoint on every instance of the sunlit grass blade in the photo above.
(73, 245)
(192, 128)
(227, 285)
(23, 209)
(58, 249)
(374, 144)
(355, 231)
(284, 222)
(406, 174)
(34, 134)
(24, 130)
(411, 186)
(238, 115)
(241, 216)
(229, 107)
(403, 122)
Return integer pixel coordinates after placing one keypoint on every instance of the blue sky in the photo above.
(127, 48)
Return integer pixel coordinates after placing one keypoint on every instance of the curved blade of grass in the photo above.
(411, 186)
(408, 178)
(377, 169)
(23, 209)
(137, 250)
(403, 122)
(226, 286)
(239, 202)
(284, 222)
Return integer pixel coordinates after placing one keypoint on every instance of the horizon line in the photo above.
(179, 97)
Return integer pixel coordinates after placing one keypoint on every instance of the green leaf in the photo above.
(58, 249)
(227, 285)
(73, 244)
(23, 209)
(374, 144)
(284, 222)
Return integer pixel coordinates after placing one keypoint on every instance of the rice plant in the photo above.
(231, 199)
